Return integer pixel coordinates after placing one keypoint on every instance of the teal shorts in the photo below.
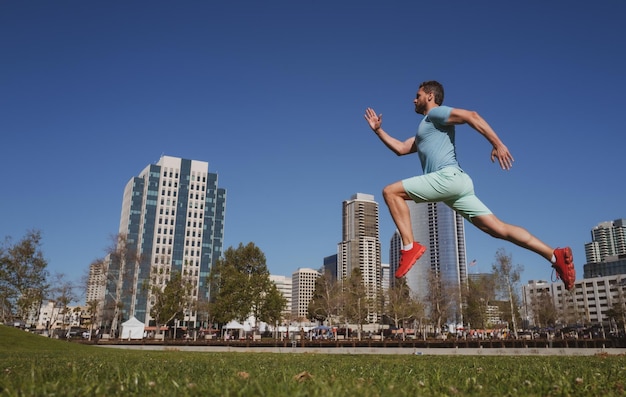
(449, 185)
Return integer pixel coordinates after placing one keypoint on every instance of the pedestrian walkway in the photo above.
(547, 351)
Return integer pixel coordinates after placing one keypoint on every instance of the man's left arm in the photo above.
(474, 120)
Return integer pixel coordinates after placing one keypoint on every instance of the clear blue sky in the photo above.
(272, 95)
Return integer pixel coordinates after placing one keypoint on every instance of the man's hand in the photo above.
(374, 120)
(503, 155)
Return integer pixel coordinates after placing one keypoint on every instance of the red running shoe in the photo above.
(408, 258)
(564, 267)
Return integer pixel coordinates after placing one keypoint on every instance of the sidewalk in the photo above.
(378, 350)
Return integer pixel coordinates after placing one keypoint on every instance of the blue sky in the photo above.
(272, 95)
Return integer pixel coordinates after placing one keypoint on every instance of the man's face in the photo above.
(421, 101)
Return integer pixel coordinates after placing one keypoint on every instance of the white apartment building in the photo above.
(284, 286)
(360, 247)
(586, 304)
(52, 317)
(608, 239)
(303, 287)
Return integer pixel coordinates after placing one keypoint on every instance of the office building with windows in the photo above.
(329, 266)
(606, 253)
(441, 230)
(302, 290)
(360, 247)
(589, 303)
(607, 239)
(172, 220)
(284, 286)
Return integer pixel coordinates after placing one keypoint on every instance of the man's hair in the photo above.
(435, 88)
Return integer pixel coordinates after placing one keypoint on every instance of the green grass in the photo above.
(32, 365)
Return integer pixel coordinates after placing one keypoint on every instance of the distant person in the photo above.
(443, 180)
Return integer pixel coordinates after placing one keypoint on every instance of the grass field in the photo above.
(32, 365)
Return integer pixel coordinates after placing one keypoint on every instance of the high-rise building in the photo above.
(172, 220)
(385, 277)
(302, 290)
(360, 247)
(95, 282)
(96, 289)
(284, 286)
(330, 266)
(441, 230)
(607, 239)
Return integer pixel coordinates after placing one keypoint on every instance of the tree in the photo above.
(438, 299)
(570, 313)
(356, 302)
(508, 277)
(205, 312)
(22, 276)
(92, 308)
(544, 310)
(479, 293)
(326, 301)
(62, 294)
(271, 305)
(119, 266)
(171, 302)
(617, 311)
(401, 307)
(241, 287)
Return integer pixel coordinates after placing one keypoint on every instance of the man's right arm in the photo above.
(398, 147)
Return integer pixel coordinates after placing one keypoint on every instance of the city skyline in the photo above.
(94, 92)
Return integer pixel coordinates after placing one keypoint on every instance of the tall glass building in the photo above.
(172, 220)
(441, 230)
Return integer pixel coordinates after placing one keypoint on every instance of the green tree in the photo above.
(23, 276)
(356, 302)
(271, 305)
(480, 292)
(92, 309)
(401, 306)
(508, 276)
(241, 287)
(171, 302)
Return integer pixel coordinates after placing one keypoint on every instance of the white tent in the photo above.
(132, 329)
(233, 325)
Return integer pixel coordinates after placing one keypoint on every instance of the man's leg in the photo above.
(493, 226)
(561, 258)
(396, 198)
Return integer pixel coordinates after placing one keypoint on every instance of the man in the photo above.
(443, 180)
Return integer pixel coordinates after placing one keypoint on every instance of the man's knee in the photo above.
(394, 190)
(387, 191)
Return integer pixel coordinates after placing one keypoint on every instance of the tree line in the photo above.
(240, 287)
(25, 283)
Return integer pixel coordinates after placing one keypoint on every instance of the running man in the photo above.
(443, 180)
